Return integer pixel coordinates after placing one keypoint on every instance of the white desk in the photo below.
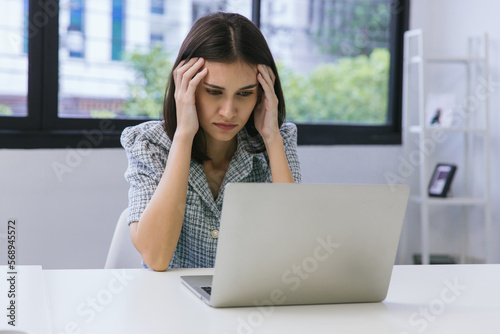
(421, 299)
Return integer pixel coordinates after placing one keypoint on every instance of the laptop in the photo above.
(295, 244)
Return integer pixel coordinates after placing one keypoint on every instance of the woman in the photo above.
(224, 112)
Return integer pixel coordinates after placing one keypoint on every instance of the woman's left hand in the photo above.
(266, 112)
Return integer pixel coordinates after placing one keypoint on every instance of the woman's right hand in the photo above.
(187, 76)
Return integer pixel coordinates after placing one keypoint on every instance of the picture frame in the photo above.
(439, 110)
(441, 179)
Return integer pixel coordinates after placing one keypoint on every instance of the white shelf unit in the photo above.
(414, 76)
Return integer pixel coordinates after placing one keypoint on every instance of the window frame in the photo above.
(387, 134)
(42, 128)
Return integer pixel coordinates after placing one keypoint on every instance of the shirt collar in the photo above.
(239, 168)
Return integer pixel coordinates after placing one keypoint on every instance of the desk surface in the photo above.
(421, 299)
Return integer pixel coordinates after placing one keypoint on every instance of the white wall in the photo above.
(64, 220)
(446, 26)
(68, 223)
(67, 220)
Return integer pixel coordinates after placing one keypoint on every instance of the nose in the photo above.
(227, 109)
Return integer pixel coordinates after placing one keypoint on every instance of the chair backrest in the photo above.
(122, 253)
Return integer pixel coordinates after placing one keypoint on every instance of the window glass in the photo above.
(333, 58)
(75, 36)
(14, 35)
(157, 6)
(119, 66)
(118, 38)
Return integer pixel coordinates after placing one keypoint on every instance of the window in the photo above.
(156, 39)
(14, 34)
(99, 66)
(117, 29)
(158, 7)
(25, 21)
(335, 60)
(74, 37)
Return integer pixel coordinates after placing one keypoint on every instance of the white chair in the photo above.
(122, 253)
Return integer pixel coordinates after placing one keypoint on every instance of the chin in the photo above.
(224, 138)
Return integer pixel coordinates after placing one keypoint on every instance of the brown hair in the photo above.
(222, 37)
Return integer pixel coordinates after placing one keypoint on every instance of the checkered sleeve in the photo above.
(289, 134)
(146, 146)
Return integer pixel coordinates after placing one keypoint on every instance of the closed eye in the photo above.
(214, 92)
(245, 93)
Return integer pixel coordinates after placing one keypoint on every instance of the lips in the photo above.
(225, 126)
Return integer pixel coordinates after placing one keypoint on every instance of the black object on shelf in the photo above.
(434, 259)
(441, 180)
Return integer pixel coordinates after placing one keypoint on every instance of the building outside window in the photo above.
(25, 40)
(75, 35)
(334, 56)
(156, 39)
(114, 56)
(158, 7)
(14, 35)
(118, 29)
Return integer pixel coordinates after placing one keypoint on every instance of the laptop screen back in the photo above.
(284, 244)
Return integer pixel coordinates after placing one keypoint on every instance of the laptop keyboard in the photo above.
(207, 289)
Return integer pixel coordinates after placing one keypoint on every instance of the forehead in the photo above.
(237, 74)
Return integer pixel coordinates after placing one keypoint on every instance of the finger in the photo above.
(182, 68)
(186, 63)
(265, 81)
(267, 73)
(265, 84)
(266, 87)
(181, 63)
(176, 72)
(190, 72)
(271, 73)
(195, 81)
(179, 66)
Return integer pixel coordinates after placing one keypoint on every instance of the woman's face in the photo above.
(225, 98)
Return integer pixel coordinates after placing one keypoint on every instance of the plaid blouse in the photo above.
(147, 146)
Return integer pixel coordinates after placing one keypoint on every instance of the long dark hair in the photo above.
(226, 38)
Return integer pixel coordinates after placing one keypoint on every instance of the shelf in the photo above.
(418, 129)
(450, 200)
(415, 60)
(464, 60)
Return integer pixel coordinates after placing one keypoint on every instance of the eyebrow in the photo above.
(222, 88)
